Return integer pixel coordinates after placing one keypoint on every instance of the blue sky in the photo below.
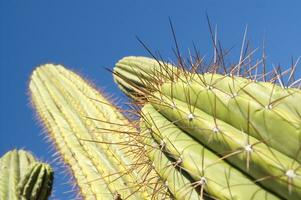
(88, 36)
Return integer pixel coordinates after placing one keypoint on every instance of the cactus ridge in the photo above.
(267, 166)
(226, 97)
(13, 165)
(215, 176)
(16, 169)
(179, 186)
(243, 120)
(37, 182)
(245, 112)
(95, 140)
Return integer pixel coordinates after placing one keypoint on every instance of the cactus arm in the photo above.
(96, 141)
(14, 166)
(274, 110)
(222, 180)
(266, 124)
(37, 182)
(99, 107)
(122, 127)
(67, 143)
(243, 151)
(73, 115)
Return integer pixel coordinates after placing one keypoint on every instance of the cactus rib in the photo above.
(232, 95)
(15, 167)
(37, 182)
(179, 185)
(218, 178)
(243, 121)
(266, 165)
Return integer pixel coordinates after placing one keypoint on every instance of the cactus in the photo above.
(37, 182)
(215, 93)
(137, 76)
(219, 179)
(93, 137)
(179, 185)
(17, 180)
(241, 120)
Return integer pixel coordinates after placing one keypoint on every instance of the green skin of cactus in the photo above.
(134, 74)
(92, 136)
(274, 111)
(218, 178)
(37, 182)
(245, 152)
(13, 166)
(179, 185)
(233, 107)
(247, 109)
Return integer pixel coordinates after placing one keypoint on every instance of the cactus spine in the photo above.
(94, 139)
(17, 180)
(242, 121)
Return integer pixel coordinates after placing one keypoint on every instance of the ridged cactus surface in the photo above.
(36, 184)
(243, 103)
(16, 178)
(208, 172)
(93, 137)
(253, 126)
(136, 76)
(179, 185)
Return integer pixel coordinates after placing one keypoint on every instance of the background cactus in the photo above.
(94, 139)
(243, 121)
(37, 182)
(23, 177)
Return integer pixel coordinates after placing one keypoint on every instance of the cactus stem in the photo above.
(98, 143)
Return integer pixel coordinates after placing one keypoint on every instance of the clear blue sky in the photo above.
(88, 36)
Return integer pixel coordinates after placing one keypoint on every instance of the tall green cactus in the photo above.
(243, 121)
(17, 180)
(93, 137)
